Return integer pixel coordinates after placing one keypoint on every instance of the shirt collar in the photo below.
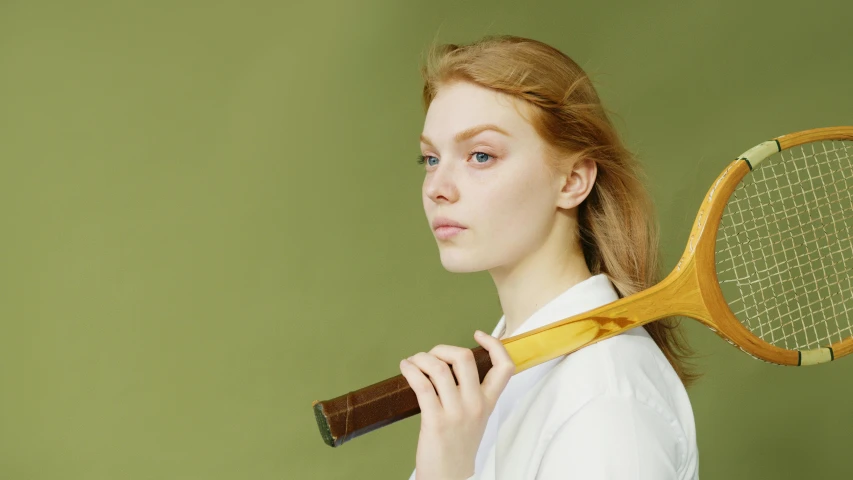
(583, 296)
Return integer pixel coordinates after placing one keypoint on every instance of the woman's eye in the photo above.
(477, 156)
(423, 158)
(481, 158)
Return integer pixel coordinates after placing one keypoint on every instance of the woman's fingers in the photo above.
(421, 385)
(464, 368)
(442, 378)
(502, 366)
(432, 380)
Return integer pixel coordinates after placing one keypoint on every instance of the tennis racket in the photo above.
(768, 266)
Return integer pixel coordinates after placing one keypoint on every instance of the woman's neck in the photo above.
(530, 285)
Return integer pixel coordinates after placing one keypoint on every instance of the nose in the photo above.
(440, 185)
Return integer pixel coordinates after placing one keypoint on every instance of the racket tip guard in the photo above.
(756, 154)
(323, 423)
(815, 356)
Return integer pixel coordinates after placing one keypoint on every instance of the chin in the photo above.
(457, 260)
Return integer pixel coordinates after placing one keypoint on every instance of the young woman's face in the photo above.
(496, 185)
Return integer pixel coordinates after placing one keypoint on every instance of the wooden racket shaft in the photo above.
(356, 413)
(364, 410)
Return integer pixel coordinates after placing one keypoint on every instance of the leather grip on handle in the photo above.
(356, 413)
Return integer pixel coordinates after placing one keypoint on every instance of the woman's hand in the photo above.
(453, 421)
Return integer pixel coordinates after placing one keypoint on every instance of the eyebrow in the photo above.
(470, 132)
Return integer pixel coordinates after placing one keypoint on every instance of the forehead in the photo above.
(462, 105)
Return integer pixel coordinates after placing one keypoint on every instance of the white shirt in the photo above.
(612, 410)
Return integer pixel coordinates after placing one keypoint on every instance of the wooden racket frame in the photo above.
(690, 290)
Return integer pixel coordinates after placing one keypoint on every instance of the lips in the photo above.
(445, 222)
(445, 232)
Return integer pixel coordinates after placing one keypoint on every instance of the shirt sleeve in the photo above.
(614, 438)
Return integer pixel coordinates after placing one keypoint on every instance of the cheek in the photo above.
(517, 210)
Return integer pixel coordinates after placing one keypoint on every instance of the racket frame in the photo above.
(692, 289)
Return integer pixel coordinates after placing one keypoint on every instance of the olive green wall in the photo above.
(211, 216)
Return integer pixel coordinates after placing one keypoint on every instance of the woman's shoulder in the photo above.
(628, 365)
(625, 382)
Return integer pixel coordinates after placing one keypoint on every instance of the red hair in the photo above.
(616, 222)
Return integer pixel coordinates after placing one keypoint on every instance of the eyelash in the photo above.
(422, 158)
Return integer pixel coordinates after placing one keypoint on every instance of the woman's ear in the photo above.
(577, 184)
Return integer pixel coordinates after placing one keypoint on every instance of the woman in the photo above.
(522, 161)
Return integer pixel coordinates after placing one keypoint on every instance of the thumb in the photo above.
(502, 369)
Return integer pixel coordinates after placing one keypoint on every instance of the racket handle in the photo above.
(343, 418)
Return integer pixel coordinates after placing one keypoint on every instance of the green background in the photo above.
(211, 216)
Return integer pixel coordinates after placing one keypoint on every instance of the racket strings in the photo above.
(761, 273)
(806, 205)
(785, 247)
(807, 287)
(821, 301)
(772, 331)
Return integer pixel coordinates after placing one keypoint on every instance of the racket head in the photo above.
(772, 248)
